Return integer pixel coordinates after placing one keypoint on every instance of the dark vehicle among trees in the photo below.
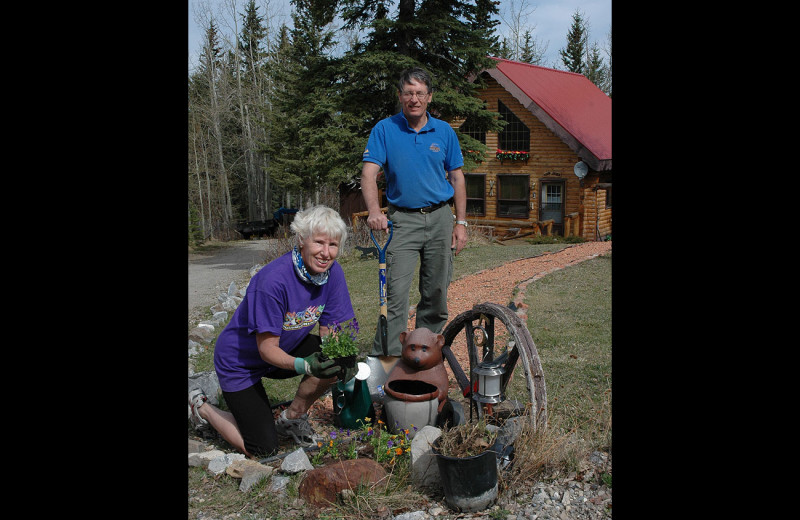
(260, 228)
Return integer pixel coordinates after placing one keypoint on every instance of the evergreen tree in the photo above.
(251, 41)
(527, 48)
(305, 106)
(572, 55)
(451, 39)
(596, 70)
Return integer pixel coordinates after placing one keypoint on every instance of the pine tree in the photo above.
(305, 101)
(572, 55)
(451, 39)
(595, 69)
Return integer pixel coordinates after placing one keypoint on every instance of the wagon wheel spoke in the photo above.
(483, 335)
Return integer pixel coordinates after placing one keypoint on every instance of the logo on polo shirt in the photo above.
(366, 151)
(434, 147)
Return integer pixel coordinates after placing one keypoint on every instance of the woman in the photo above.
(269, 336)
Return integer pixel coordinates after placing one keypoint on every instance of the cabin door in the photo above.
(551, 205)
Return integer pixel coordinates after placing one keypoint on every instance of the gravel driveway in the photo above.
(212, 273)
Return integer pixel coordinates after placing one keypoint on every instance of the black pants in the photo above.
(252, 411)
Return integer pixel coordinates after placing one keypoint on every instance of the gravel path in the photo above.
(212, 273)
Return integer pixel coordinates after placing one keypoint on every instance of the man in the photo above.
(422, 161)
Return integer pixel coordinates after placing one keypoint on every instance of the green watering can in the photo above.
(351, 400)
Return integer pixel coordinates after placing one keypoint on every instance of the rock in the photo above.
(414, 515)
(203, 459)
(239, 468)
(219, 464)
(296, 462)
(424, 468)
(196, 446)
(201, 334)
(279, 483)
(252, 474)
(321, 486)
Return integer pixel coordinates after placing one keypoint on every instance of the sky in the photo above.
(550, 21)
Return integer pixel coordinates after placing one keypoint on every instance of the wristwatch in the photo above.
(462, 222)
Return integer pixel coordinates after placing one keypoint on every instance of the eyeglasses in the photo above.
(419, 95)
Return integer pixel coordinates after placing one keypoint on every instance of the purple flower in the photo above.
(354, 325)
(389, 444)
(333, 435)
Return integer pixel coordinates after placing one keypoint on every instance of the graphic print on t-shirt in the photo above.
(298, 320)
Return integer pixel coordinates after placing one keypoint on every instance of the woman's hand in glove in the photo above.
(314, 366)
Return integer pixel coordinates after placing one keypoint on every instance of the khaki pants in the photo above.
(424, 238)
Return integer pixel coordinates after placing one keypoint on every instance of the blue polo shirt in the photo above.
(415, 164)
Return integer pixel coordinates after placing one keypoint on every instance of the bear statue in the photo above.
(420, 361)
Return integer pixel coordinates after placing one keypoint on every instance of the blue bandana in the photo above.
(300, 269)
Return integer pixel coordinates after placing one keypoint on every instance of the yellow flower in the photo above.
(367, 419)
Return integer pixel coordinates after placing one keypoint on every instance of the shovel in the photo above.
(382, 323)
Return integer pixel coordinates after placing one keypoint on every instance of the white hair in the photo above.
(319, 219)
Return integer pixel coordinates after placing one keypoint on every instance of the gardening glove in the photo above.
(314, 366)
(348, 373)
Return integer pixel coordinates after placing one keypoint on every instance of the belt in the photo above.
(426, 209)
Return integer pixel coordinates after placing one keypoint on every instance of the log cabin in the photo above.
(549, 170)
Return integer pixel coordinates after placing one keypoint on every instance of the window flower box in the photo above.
(512, 155)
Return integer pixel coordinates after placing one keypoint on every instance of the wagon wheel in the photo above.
(479, 330)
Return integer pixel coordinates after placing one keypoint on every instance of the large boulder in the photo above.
(321, 486)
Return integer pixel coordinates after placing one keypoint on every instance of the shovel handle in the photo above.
(382, 323)
(382, 250)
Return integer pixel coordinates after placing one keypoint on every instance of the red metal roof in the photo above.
(569, 104)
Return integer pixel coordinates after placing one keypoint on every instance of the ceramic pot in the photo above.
(410, 404)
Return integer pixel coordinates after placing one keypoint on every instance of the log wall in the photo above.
(550, 159)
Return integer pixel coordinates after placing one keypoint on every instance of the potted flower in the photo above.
(340, 344)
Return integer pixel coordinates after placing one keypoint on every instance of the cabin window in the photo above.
(470, 129)
(476, 194)
(513, 195)
(515, 136)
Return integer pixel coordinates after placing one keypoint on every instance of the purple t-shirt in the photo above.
(276, 301)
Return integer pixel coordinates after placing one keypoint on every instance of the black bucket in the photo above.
(469, 483)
